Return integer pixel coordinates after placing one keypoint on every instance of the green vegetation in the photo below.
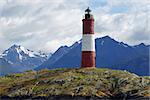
(96, 82)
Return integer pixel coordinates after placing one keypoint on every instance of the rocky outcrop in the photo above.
(75, 84)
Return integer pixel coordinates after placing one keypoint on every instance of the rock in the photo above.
(75, 84)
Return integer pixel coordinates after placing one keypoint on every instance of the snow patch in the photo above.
(125, 45)
(20, 56)
(102, 42)
(31, 55)
(10, 62)
(2, 55)
(79, 41)
(28, 52)
(23, 49)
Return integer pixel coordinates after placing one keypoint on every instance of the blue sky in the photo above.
(48, 24)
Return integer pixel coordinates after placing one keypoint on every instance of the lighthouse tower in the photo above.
(88, 41)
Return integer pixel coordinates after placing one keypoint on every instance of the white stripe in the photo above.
(88, 42)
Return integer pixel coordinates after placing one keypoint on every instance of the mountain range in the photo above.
(18, 59)
(109, 54)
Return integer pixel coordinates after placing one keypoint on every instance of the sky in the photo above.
(46, 25)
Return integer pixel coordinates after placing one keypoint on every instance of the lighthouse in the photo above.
(88, 41)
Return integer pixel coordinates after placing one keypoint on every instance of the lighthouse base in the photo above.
(88, 59)
(88, 67)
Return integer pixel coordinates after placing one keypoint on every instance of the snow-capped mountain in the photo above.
(109, 54)
(18, 59)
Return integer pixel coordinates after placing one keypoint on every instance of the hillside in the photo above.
(63, 84)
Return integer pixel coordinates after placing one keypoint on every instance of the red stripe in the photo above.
(88, 59)
(88, 26)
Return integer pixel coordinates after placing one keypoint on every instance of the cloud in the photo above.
(47, 24)
(130, 26)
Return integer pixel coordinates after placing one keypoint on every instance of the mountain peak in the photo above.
(106, 37)
(16, 51)
(15, 46)
(19, 58)
(106, 40)
(140, 45)
(18, 48)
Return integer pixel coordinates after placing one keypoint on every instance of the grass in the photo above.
(85, 82)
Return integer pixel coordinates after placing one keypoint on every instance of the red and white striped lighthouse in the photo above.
(88, 41)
